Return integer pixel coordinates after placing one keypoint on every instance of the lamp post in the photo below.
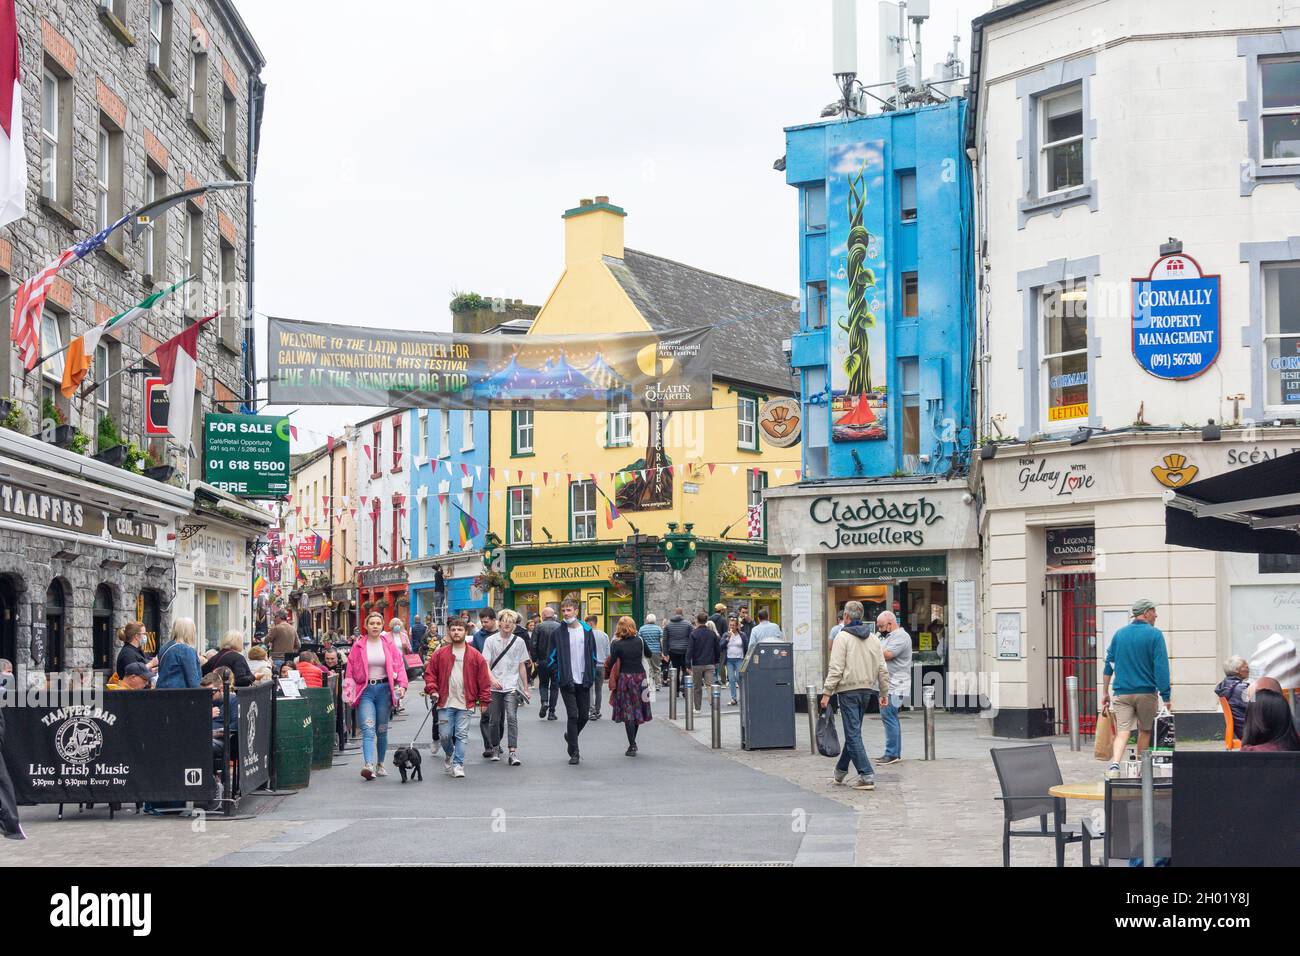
(679, 547)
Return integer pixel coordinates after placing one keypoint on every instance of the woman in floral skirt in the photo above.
(629, 696)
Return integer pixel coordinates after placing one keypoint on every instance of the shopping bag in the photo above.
(1105, 743)
(1162, 733)
(828, 740)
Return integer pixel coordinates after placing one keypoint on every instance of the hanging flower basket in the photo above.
(728, 573)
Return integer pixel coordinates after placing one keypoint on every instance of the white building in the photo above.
(383, 485)
(1103, 131)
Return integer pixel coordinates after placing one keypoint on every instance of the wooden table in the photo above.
(1093, 790)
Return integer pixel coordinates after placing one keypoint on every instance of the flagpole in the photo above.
(89, 389)
(595, 484)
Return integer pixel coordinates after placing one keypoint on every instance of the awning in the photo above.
(1255, 510)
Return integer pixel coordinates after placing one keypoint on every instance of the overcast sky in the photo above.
(407, 156)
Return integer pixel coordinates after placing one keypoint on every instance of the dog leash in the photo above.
(427, 714)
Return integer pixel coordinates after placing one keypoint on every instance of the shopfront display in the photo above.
(748, 582)
(383, 588)
(546, 579)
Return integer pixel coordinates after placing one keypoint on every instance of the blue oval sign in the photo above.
(1176, 319)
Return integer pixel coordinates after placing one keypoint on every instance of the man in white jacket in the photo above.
(857, 673)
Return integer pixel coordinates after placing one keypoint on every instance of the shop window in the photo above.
(582, 508)
(520, 515)
(907, 197)
(1281, 288)
(618, 425)
(747, 422)
(55, 618)
(1279, 564)
(814, 208)
(815, 305)
(1279, 117)
(911, 394)
(521, 432)
(911, 296)
(1064, 359)
(216, 616)
(1061, 139)
(101, 625)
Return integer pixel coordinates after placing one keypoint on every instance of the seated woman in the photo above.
(313, 675)
(1268, 720)
(1233, 689)
(231, 654)
(259, 662)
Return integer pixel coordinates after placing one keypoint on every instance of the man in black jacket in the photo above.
(9, 825)
(548, 691)
(572, 663)
(702, 657)
(677, 642)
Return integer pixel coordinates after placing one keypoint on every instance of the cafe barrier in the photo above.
(128, 747)
(253, 753)
(321, 702)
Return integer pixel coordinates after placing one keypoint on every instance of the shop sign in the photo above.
(887, 568)
(1061, 481)
(62, 513)
(760, 572)
(545, 575)
(156, 403)
(1176, 317)
(1066, 413)
(382, 576)
(247, 455)
(874, 521)
(781, 422)
(1070, 549)
(1174, 471)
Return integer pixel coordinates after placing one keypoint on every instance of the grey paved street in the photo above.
(678, 802)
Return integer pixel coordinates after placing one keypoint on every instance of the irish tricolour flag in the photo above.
(81, 350)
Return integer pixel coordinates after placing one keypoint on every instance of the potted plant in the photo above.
(80, 441)
(54, 428)
(156, 469)
(112, 450)
(729, 575)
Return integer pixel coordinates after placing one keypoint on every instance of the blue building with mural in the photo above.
(885, 512)
(886, 341)
(448, 511)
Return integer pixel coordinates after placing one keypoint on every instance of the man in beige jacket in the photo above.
(857, 673)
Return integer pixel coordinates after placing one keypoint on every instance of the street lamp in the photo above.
(679, 546)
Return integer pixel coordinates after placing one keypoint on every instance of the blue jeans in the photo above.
(733, 675)
(373, 710)
(853, 705)
(893, 733)
(453, 731)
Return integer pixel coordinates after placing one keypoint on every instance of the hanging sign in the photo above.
(247, 455)
(156, 403)
(1176, 319)
(314, 363)
(781, 422)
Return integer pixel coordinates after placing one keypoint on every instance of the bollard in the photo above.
(812, 717)
(690, 701)
(1072, 702)
(927, 709)
(672, 686)
(715, 695)
(1148, 812)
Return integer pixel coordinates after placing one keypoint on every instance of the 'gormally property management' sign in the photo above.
(1176, 312)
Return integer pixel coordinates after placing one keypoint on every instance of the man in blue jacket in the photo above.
(1139, 661)
(572, 664)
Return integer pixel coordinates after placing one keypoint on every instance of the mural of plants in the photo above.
(857, 364)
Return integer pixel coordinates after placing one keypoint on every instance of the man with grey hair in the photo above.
(1139, 660)
(1233, 689)
(857, 673)
(897, 645)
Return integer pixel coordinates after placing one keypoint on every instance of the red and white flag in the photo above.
(178, 366)
(755, 521)
(13, 156)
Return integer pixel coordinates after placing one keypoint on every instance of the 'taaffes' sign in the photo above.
(1176, 319)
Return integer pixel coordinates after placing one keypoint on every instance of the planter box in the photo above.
(63, 435)
(115, 456)
(163, 473)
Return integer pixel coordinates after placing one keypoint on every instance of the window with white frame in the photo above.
(582, 507)
(815, 304)
(467, 426)
(1282, 334)
(424, 435)
(1064, 360)
(444, 545)
(53, 334)
(160, 36)
(911, 391)
(196, 98)
(99, 373)
(523, 431)
(101, 179)
(1060, 135)
(814, 209)
(907, 197)
(520, 517)
(1279, 81)
(50, 136)
(747, 422)
(446, 435)
(618, 425)
(426, 526)
(192, 257)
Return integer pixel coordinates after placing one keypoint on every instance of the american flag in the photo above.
(29, 301)
(755, 521)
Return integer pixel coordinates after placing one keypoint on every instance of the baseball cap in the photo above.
(1142, 605)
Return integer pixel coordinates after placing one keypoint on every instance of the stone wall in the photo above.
(689, 589)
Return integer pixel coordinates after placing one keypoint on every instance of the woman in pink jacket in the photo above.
(378, 675)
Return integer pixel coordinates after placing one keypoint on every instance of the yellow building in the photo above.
(554, 474)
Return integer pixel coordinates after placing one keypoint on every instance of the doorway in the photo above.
(1071, 601)
(9, 621)
(148, 610)
(55, 618)
(101, 628)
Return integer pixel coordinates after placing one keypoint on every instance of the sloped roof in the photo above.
(750, 321)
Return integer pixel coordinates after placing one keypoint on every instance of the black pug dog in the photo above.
(407, 759)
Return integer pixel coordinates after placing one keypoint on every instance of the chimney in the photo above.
(592, 229)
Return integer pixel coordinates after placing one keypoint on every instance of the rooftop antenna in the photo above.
(844, 47)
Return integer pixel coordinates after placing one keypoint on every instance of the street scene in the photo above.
(927, 495)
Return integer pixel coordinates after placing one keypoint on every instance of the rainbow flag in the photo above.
(611, 514)
(320, 549)
(259, 585)
(468, 527)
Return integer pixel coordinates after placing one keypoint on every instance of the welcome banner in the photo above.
(314, 363)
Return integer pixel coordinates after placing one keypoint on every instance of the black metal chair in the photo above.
(1026, 774)
(1123, 812)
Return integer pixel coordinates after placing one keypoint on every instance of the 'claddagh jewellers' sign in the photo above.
(874, 522)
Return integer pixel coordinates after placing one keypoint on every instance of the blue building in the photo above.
(891, 394)
(450, 478)
(885, 513)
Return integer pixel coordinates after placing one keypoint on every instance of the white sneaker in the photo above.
(380, 771)
(457, 770)
(495, 758)
(514, 760)
(446, 765)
